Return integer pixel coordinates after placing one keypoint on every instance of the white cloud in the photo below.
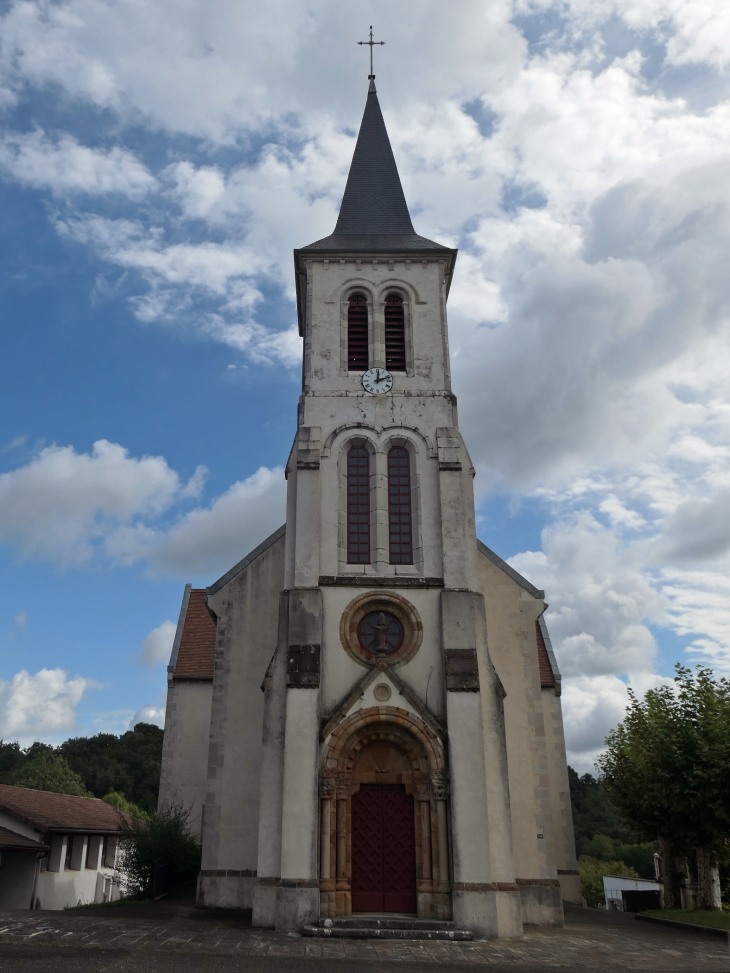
(158, 645)
(65, 166)
(64, 505)
(209, 539)
(148, 714)
(590, 311)
(56, 505)
(20, 619)
(40, 706)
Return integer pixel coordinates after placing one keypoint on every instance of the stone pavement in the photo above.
(590, 939)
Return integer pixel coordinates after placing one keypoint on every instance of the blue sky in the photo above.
(153, 183)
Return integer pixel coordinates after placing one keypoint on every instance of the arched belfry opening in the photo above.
(383, 816)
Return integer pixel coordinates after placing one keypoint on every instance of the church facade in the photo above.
(364, 713)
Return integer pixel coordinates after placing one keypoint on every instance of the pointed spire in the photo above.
(374, 213)
(373, 200)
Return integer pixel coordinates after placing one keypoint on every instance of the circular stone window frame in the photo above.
(387, 601)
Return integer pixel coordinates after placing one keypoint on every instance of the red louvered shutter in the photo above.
(357, 334)
(358, 506)
(399, 506)
(395, 334)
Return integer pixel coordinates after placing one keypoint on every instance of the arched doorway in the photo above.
(384, 817)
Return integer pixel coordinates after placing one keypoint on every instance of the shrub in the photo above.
(591, 878)
(164, 837)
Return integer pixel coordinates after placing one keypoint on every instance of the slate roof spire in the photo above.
(374, 213)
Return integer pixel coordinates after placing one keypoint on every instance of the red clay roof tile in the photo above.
(46, 811)
(547, 679)
(10, 841)
(196, 655)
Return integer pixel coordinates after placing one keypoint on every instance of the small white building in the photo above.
(631, 894)
(56, 850)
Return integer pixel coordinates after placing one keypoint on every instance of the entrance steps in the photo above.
(387, 927)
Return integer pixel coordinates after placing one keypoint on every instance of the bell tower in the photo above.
(382, 626)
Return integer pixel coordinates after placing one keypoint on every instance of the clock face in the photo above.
(377, 380)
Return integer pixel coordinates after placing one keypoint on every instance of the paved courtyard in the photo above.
(590, 940)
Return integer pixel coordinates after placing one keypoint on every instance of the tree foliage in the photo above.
(128, 764)
(667, 767)
(47, 771)
(591, 872)
(120, 803)
(599, 830)
(162, 837)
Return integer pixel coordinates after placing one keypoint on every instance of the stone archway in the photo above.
(385, 745)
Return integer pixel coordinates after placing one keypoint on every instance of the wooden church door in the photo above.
(383, 850)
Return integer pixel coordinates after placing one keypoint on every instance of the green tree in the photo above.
(591, 872)
(593, 812)
(599, 830)
(129, 764)
(667, 771)
(120, 803)
(163, 837)
(12, 759)
(47, 771)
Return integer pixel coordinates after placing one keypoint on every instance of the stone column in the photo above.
(425, 881)
(297, 900)
(343, 899)
(326, 885)
(485, 896)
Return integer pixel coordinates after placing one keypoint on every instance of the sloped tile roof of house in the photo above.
(46, 811)
(547, 676)
(196, 650)
(10, 841)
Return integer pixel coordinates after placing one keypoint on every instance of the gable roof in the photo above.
(237, 568)
(508, 569)
(374, 214)
(46, 811)
(193, 651)
(348, 704)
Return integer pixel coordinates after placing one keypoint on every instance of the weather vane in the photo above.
(371, 44)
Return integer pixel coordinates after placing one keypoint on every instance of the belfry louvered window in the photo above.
(358, 506)
(395, 334)
(399, 506)
(357, 334)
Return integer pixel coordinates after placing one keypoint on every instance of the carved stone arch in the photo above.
(360, 726)
(374, 291)
(405, 751)
(378, 432)
(347, 288)
(412, 433)
(395, 285)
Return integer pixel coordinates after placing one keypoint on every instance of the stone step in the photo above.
(375, 932)
(352, 932)
(365, 921)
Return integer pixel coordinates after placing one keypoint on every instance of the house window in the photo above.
(357, 334)
(358, 506)
(399, 506)
(395, 334)
(69, 850)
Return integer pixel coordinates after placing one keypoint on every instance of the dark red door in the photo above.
(383, 850)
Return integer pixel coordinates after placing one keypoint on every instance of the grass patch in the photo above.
(125, 900)
(697, 917)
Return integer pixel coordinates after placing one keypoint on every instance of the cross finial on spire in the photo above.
(371, 44)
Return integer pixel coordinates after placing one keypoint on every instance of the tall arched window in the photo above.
(358, 506)
(357, 334)
(399, 506)
(395, 334)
